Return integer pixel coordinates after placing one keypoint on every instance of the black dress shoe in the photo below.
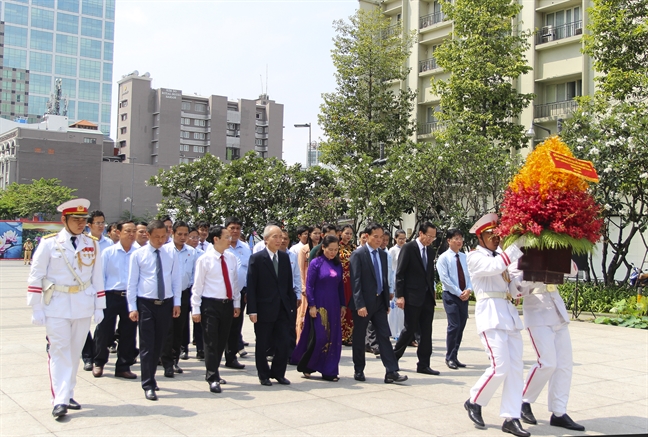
(87, 366)
(126, 374)
(394, 377)
(59, 410)
(235, 365)
(150, 395)
(359, 376)
(184, 355)
(565, 421)
(157, 388)
(245, 343)
(200, 355)
(73, 405)
(265, 382)
(282, 380)
(215, 387)
(459, 363)
(514, 427)
(452, 364)
(169, 372)
(527, 415)
(221, 381)
(427, 371)
(177, 369)
(474, 413)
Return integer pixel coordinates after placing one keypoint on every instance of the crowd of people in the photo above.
(306, 301)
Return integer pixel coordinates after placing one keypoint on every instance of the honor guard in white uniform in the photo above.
(65, 288)
(546, 320)
(498, 326)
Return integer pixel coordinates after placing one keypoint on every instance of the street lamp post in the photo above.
(530, 134)
(308, 157)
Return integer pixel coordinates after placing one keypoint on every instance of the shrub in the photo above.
(597, 298)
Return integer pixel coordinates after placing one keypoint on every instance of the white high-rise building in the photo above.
(49, 39)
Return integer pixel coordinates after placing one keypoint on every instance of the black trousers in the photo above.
(216, 321)
(154, 322)
(116, 306)
(270, 334)
(233, 341)
(171, 348)
(87, 353)
(415, 318)
(457, 312)
(379, 321)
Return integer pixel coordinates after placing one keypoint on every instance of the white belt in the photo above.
(71, 288)
(492, 295)
(549, 288)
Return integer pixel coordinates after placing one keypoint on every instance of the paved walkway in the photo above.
(609, 390)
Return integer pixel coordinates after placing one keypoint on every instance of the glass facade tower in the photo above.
(67, 39)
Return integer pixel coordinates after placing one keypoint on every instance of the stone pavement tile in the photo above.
(627, 389)
(8, 405)
(90, 415)
(235, 422)
(20, 368)
(310, 412)
(581, 379)
(619, 413)
(364, 426)
(21, 423)
(385, 402)
(257, 395)
(22, 384)
(190, 403)
(640, 364)
(585, 400)
(123, 428)
(344, 387)
(605, 371)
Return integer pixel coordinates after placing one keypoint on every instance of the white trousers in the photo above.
(504, 350)
(66, 338)
(552, 345)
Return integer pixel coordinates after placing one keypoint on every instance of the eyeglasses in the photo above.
(99, 223)
(193, 238)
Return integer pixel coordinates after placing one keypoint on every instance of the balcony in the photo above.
(555, 109)
(555, 33)
(429, 20)
(391, 31)
(427, 65)
(428, 128)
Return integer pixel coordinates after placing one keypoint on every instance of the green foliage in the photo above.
(552, 240)
(40, 196)
(255, 189)
(597, 298)
(617, 42)
(367, 111)
(631, 314)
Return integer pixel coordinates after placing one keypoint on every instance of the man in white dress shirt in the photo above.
(65, 288)
(216, 300)
(154, 293)
(498, 327)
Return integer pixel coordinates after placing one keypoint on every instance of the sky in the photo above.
(224, 47)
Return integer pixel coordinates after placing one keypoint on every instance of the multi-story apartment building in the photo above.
(560, 71)
(166, 127)
(67, 39)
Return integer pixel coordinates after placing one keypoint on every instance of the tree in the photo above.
(255, 189)
(479, 105)
(610, 127)
(40, 196)
(368, 115)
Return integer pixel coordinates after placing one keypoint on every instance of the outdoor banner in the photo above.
(13, 235)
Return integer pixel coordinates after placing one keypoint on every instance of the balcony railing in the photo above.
(390, 31)
(554, 109)
(428, 128)
(427, 65)
(554, 33)
(429, 20)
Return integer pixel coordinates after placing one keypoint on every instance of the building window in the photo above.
(39, 62)
(89, 111)
(67, 66)
(199, 136)
(184, 147)
(185, 160)
(16, 36)
(124, 117)
(91, 27)
(67, 23)
(122, 130)
(186, 106)
(67, 45)
(16, 14)
(93, 7)
(123, 104)
(15, 58)
(232, 153)
(258, 115)
(199, 149)
(42, 40)
(90, 69)
(563, 91)
(94, 141)
(200, 107)
(184, 134)
(106, 93)
(107, 71)
(561, 24)
(42, 18)
(108, 51)
(90, 48)
(261, 143)
(68, 5)
(199, 122)
(186, 121)
(88, 90)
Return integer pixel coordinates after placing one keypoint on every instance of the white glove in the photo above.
(38, 318)
(98, 316)
(521, 241)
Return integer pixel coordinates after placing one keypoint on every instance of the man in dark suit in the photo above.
(271, 303)
(415, 295)
(370, 302)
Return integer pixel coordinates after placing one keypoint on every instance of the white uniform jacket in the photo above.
(487, 275)
(49, 263)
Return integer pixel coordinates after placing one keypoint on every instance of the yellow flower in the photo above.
(539, 170)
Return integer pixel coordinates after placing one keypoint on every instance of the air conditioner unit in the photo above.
(578, 31)
(548, 33)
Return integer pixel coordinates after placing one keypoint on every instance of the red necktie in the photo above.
(228, 285)
(460, 274)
